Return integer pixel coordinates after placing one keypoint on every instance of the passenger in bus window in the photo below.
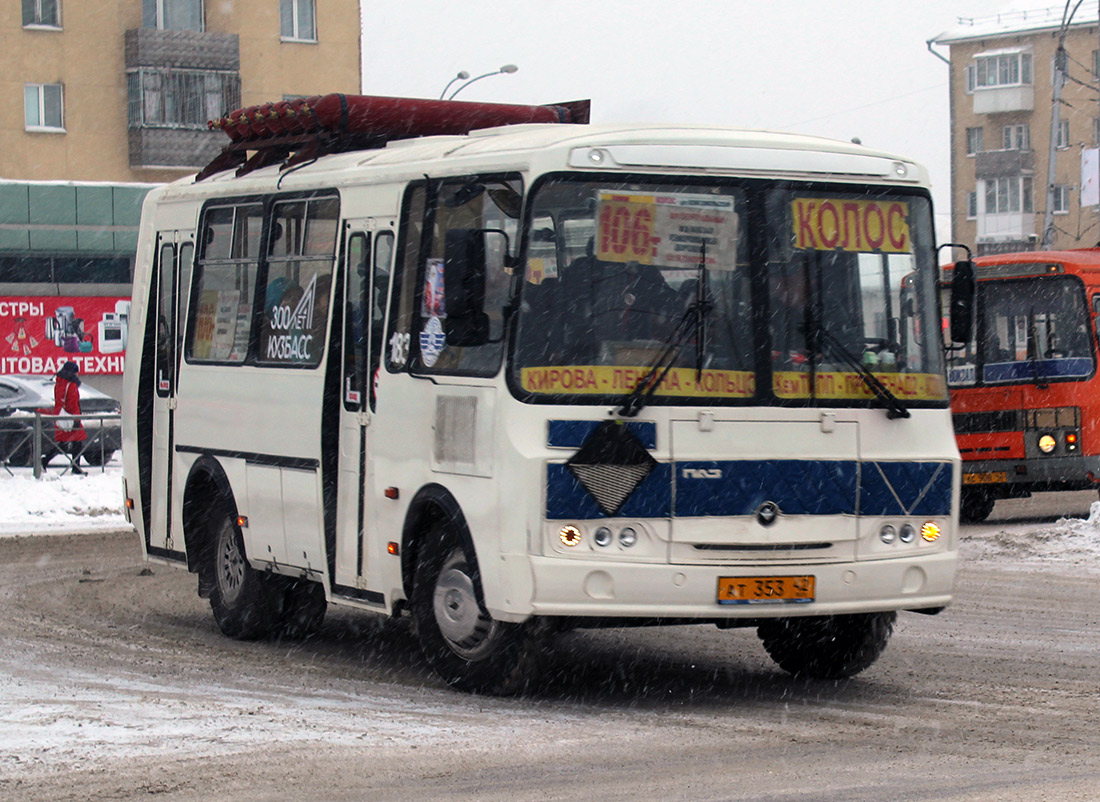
(789, 318)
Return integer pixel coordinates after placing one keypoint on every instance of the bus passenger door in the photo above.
(175, 254)
(367, 263)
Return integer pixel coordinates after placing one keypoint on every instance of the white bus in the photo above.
(525, 378)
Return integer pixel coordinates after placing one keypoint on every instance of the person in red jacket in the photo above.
(66, 399)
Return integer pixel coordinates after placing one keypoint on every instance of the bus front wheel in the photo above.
(460, 640)
(242, 598)
(827, 647)
(975, 506)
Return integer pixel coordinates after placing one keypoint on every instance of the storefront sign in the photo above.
(40, 334)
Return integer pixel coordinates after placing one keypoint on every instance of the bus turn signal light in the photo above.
(930, 531)
(1071, 441)
(570, 535)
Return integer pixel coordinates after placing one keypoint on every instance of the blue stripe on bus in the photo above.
(1028, 371)
(566, 498)
(739, 487)
(573, 433)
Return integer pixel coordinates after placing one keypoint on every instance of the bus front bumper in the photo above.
(562, 587)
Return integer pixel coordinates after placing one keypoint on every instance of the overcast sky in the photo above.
(831, 68)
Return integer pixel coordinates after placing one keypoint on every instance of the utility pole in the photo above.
(1055, 124)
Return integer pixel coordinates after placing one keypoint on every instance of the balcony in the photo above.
(997, 99)
(999, 163)
(1006, 227)
(176, 81)
(151, 47)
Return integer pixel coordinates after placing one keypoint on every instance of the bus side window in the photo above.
(483, 211)
(298, 282)
(380, 284)
(355, 321)
(166, 290)
(404, 279)
(220, 312)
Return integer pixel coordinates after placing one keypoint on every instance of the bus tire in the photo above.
(975, 506)
(459, 639)
(827, 647)
(242, 599)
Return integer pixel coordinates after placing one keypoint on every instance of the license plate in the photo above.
(996, 477)
(765, 589)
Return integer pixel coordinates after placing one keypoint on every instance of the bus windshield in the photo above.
(1030, 330)
(613, 270)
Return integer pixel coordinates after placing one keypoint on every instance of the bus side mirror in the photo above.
(464, 287)
(963, 286)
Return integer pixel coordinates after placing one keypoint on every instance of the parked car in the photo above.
(21, 395)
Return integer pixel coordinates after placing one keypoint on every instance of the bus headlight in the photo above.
(628, 537)
(602, 537)
(570, 535)
(1047, 443)
(887, 534)
(908, 534)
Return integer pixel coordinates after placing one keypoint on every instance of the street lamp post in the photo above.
(507, 69)
(461, 76)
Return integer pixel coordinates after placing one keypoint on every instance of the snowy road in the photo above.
(114, 683)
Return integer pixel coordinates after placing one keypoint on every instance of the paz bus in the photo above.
(508, 373)
(1023, 388)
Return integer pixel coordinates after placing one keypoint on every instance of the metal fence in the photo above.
(28, 440)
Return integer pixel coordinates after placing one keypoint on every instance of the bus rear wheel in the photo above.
(827, 647)
(460, 640)
(243, 600)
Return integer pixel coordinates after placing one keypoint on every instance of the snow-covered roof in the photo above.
(1018, 18)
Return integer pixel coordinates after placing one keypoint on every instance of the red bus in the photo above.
(1025, 395)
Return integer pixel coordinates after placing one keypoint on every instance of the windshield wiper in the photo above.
(694, 319)
(894, 407)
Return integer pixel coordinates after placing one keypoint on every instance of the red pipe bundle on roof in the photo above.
(385, 118)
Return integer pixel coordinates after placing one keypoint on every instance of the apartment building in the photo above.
(105, 99)
(1002, 90)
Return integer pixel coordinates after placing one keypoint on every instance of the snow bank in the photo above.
(61, 504)
(1067, 541)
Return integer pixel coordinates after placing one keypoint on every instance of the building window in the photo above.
(971, 205)
(1006, 195)
(46, 13)
(172, 15)
(1061, 199)
(1016, 137)
(298, 20)
(42, 106)
(1005, 69)
(971, 78)
(1062, 140)
(166, 98)
(973, 141)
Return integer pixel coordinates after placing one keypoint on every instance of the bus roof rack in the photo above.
(299, 130)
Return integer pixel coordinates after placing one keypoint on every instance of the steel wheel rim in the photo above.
(464, 625)
(229, 565)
